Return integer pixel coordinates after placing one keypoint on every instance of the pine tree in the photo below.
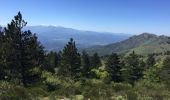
(22, 54)
(71, 61)
(165, 71)
(113, 67)
(150, 61)
(2, 66)
(86, 66)
(95, 61)
(1, 29)
(134, 67)
(32, 58)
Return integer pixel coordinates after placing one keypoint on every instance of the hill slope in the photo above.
(142, 44)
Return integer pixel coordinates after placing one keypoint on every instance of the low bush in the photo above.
(10, 91)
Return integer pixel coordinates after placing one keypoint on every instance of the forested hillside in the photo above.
(28, 72)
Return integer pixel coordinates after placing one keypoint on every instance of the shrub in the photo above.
(96, 89)
(132, 95)
(118, 87)
(156, 91)
(10, 91)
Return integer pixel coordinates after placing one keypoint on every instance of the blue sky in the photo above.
(118, 16)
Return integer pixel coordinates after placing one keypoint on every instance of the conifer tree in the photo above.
(71, 61)
(32, 58)
(165, 71)
(22, 54)
(95, 61)
(2, 65)
(150, 61)
(86, 66)
(113, 67)
(134, 67)
(1, 29)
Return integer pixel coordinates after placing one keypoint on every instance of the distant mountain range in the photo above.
(142, 44)
(104, 43)
(54, 38)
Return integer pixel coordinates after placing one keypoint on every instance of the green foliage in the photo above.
(20, 53)
(95, 61)
(53, 60)
(131, 95)
(99, 73)
(68, 88)
(150, 61)
(79, 97)
(134, 67)
(152, 74)
(27, 73)
(71, 61)
(86, 65)
(120, 87)
(113, 67)
(51, 80)
(155, 91)
(165, 72)
(9, 91)
(96, 89)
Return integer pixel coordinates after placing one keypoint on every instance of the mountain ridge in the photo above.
(144, 43)
(54, 38)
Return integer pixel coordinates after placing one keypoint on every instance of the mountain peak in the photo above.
(147, 35)
(150, 34)
(144, 43)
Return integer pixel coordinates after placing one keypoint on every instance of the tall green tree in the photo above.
(71, 61)
(32, 58)
(150, 62)
(134, 66)
(113, 67)
(22, 54)
(95, 61)
(1, 29)
(2, 66)
(165, 71)
(86, 66)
